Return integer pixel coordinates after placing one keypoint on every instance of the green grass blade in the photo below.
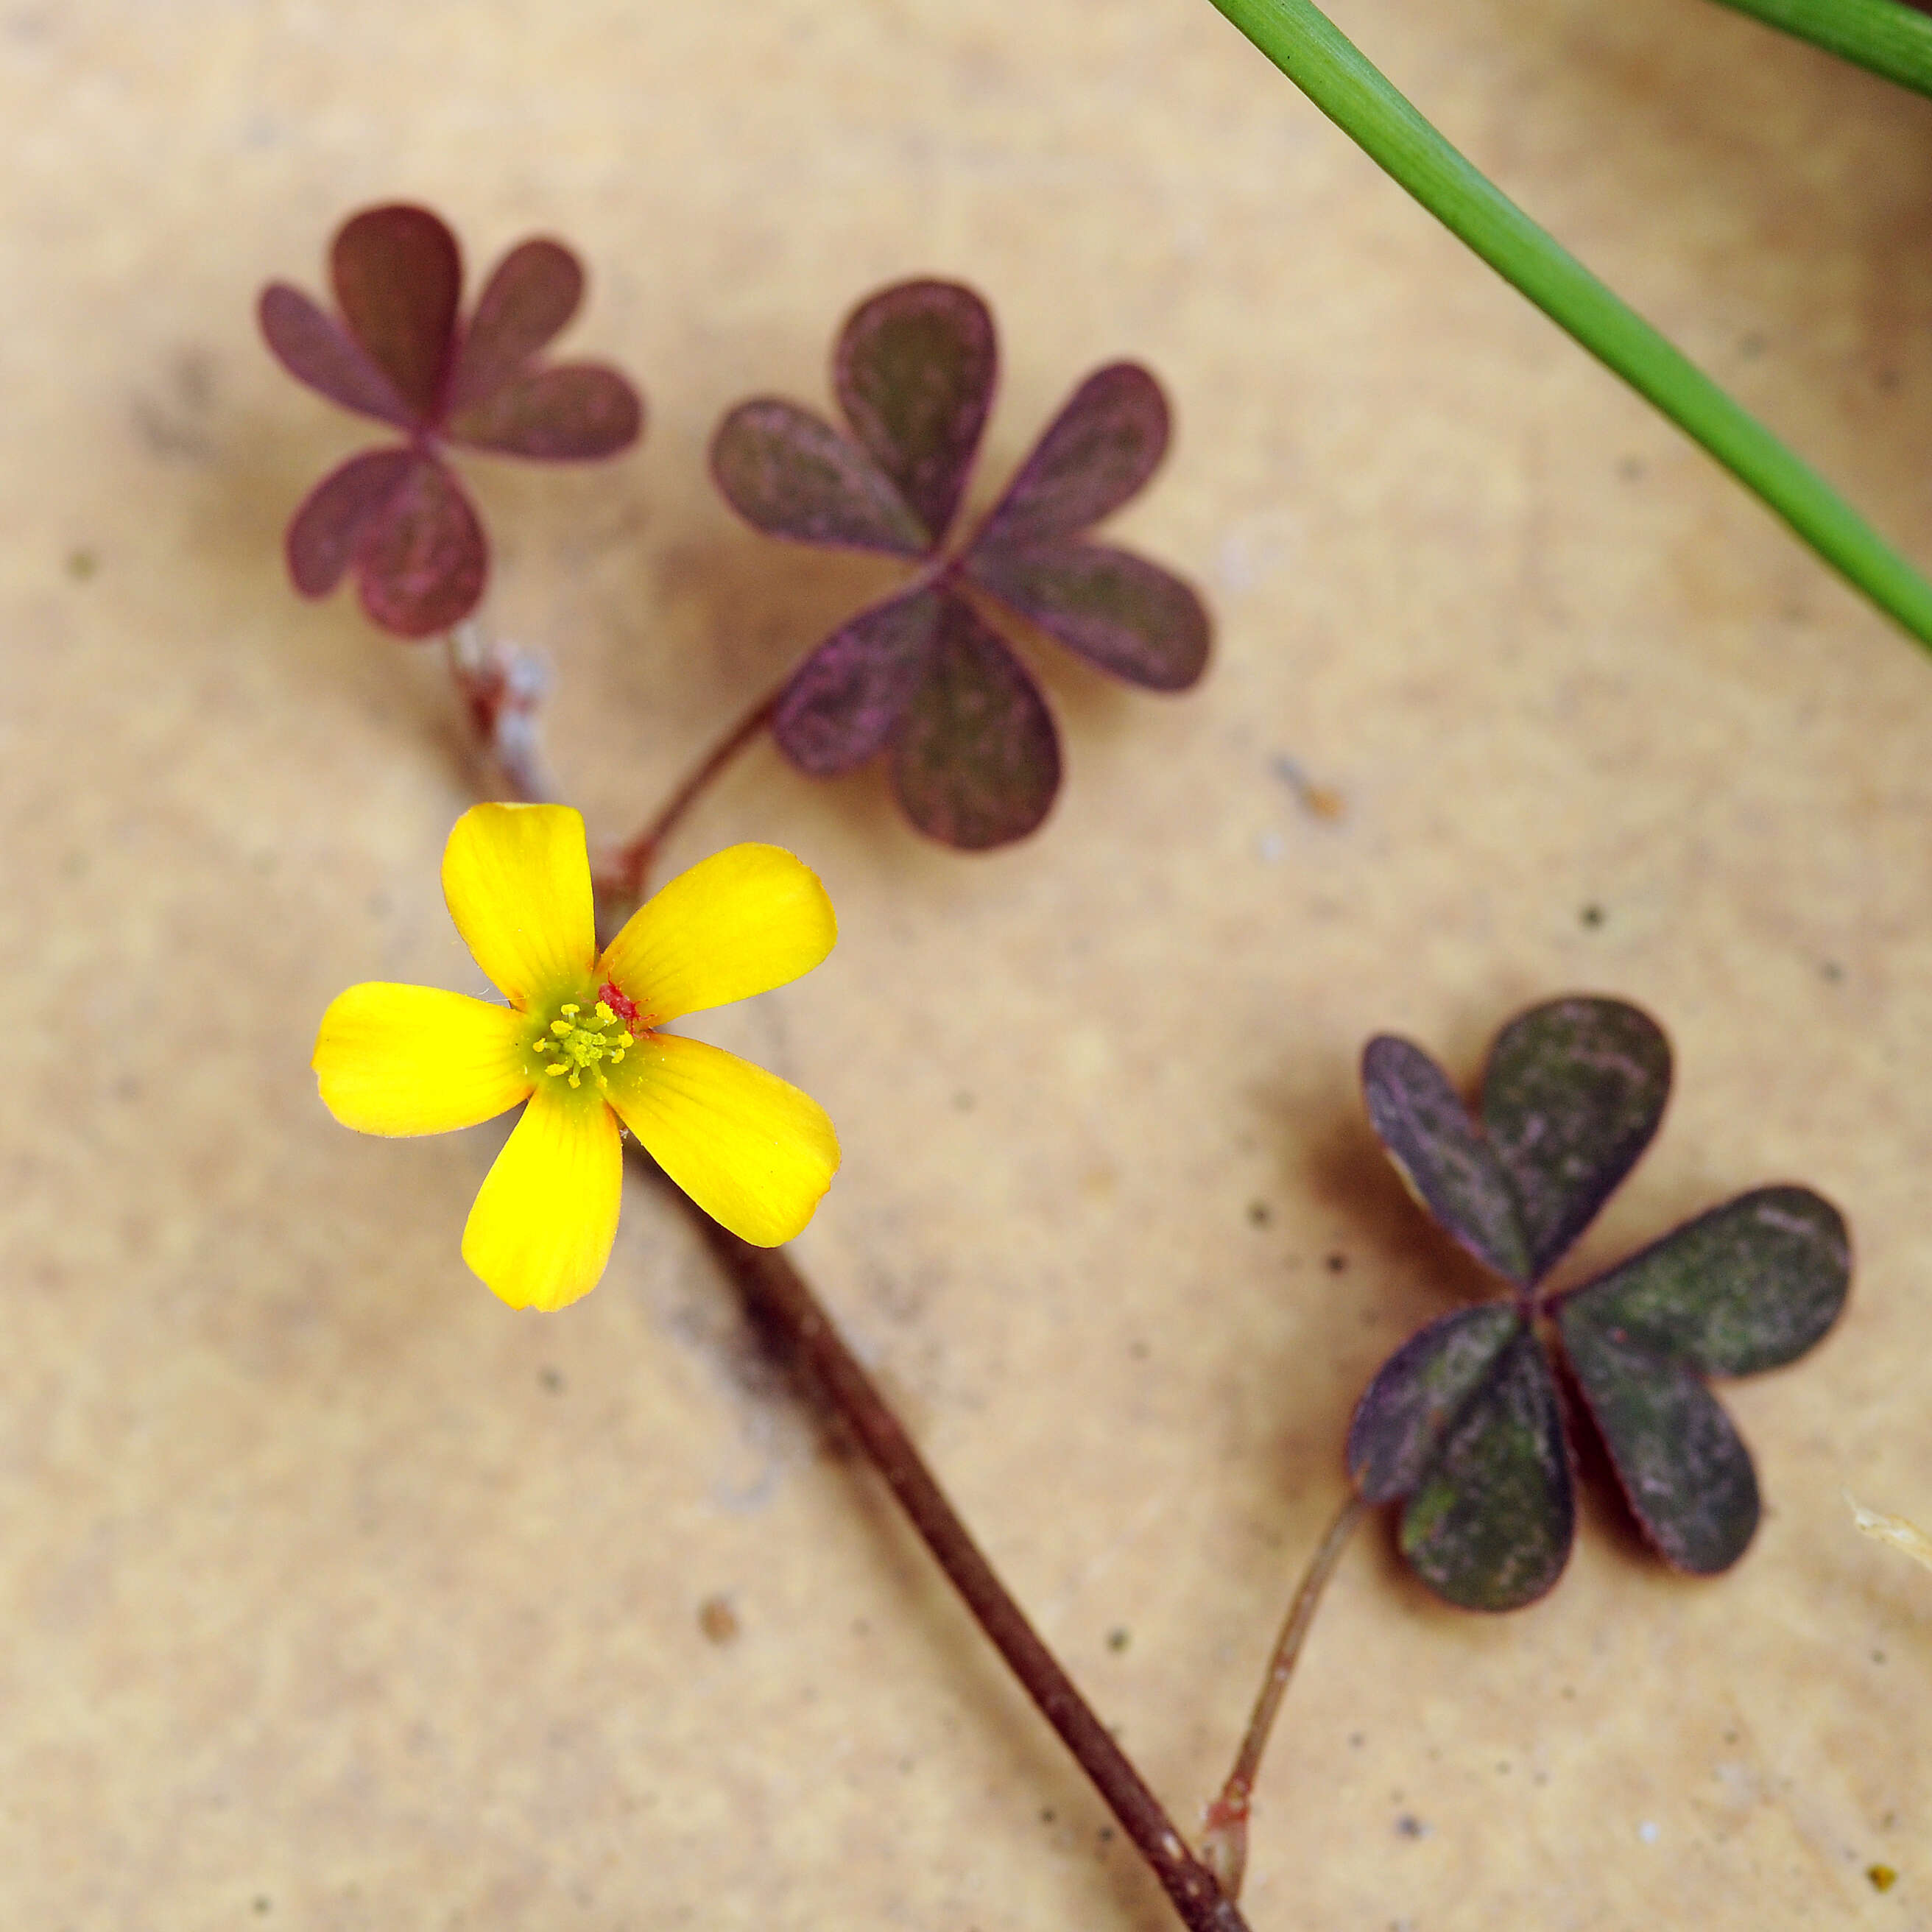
(1313, 53)
(1890, 39)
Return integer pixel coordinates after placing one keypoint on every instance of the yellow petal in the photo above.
(518, 879)
(415, 1060)
(750, 1149)
(546, 1213)
(739, 922)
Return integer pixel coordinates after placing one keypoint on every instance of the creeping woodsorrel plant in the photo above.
(398, 351)
(925, 677)
(1465, 1420)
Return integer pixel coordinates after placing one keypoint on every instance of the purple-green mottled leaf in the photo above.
(531, 295)
(1488, 1523)
(1418, 1393)
(323, 533)
(1437, 1150)
(1749, 1286)
(315, 349)
(570, 413)
(844, 703)
(1572, 1094)
(1682, 1466)
(790, 474)
(977, 762)
(914, 372)
(398, 276)
(1096, 454)
(1119, 611)
(421, 561)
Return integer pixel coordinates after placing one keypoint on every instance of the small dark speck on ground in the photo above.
(718, 1620)
(1046, 1814)
(262, 1906)
(1830, 972)
(1258, 1216)
(1408, 1825)
(963, 1101)
(552, 1379)
(1335, 1262)
(1592, 916)
(1882, 1877)
(82, 564)
(1118, 1638)
(1319, 801)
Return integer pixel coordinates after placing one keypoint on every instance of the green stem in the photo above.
(1890, 39)
(1308, 47)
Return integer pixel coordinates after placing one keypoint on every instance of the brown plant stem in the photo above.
(624, 878)
(779, 1297)
(1224, 1842)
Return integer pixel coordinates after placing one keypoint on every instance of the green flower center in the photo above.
(578, 1043)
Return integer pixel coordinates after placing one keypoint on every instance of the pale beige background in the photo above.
(336, 1596)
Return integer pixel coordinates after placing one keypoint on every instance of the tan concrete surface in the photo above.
(336, 1596)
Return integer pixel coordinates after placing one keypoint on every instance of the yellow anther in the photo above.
(583, 1040)
(553, 1071)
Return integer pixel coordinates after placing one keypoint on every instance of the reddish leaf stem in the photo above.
(627, 872)
(781, 1298)
(1224, 1843)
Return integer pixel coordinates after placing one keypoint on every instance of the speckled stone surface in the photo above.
(339, 1597)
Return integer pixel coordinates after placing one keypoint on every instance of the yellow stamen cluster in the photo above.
(581, 1042)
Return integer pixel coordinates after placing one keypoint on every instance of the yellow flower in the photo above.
(580, 1041)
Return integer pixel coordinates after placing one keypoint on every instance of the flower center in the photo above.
(580, 1042)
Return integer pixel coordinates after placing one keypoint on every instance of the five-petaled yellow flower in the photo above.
(580, 1040)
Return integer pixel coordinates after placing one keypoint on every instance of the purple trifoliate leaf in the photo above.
(398, 277)
(790, 474)
(844, 703)
(1119, 612)
(1418, 1393)
(976, 761)
(1441, 1155)
(1490, 1523)
(914, 372)
(1096, 454)
(422, 560)
(1571, 1097)
(1680, 1461)
(1749, 1286)
(323, 533)
(315, 349)
(532, 293)
(569, 413)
